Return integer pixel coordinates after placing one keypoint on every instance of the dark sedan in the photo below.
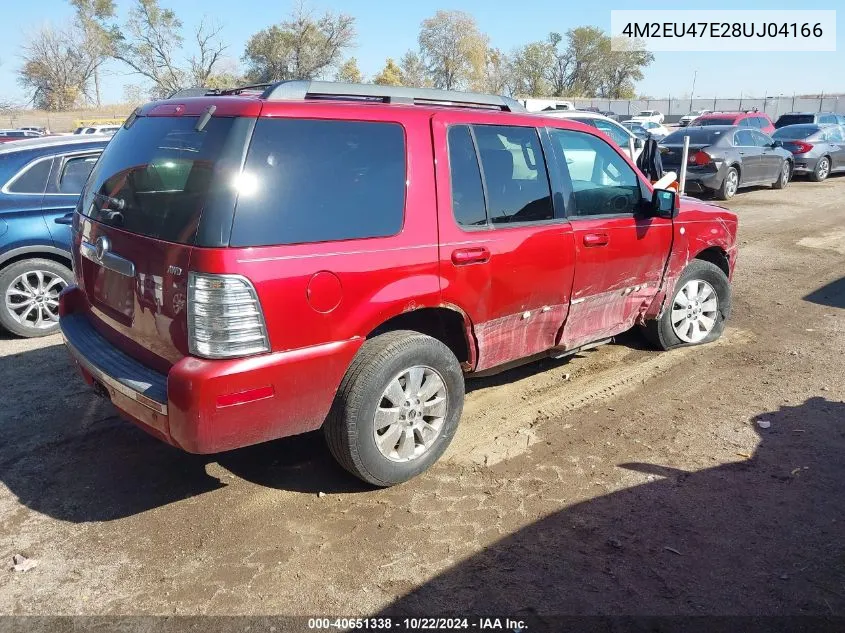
(724, 158)
(819, 150)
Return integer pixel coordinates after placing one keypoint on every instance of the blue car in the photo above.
(40, 183)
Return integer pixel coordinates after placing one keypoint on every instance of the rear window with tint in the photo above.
(309, 180)
(696, 137)
(796, 131)
(792, 119)
(716, 121)
(155, 178)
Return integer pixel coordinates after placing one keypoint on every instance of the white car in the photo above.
(692, 116)
(614, 130)
(648, 115)
(651, 128)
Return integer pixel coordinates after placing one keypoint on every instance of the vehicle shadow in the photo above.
(72, 457)
(762, 536)
(832, 294)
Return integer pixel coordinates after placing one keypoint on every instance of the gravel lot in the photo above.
(622, 481)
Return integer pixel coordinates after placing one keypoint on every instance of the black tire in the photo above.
(9, 276)
(784, 177)
(349, 427)
(725, 192)
(660, 331)
(819, 173)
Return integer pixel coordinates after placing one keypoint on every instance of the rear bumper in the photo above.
(701, 181)
(192, 406)
(804, 164)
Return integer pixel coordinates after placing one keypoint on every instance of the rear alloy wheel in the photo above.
(729, 185)
(785, 175)
(30, 289)
(822, 170)
(697, 311)
(397, 407)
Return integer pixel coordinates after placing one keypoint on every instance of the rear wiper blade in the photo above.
(118, 202)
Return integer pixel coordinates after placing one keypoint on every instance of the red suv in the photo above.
(755, 120)
(252, 265)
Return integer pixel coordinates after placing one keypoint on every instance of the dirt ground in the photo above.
(623, 481)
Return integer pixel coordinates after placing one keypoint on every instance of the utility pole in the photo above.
(692, 92)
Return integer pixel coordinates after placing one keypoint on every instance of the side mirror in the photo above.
(638, 143)
(665, 203)
(777, 143)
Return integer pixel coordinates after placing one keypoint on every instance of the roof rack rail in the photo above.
(298, 90)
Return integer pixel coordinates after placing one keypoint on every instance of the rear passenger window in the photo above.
(75, 172)
(827, 118)
(33, 179)
(514, 174)
(743, 138)
(309, 180)
(467, 192)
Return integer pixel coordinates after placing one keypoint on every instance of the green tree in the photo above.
(623, 69)
(349, 72)
(530, 69)
(414, 73)
(497, 72)
(453, 50)
(390, 75)
(302, 47)
(91, 15)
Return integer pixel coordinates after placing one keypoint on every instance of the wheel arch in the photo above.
(447, 323)
(32, 252)
(718, 256)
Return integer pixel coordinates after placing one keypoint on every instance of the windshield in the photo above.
(722, 120)
(645, 113)
(792, 119)
(796, 131)
(696, 137)
(156, 177)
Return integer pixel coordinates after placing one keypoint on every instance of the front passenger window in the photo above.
(603, 182)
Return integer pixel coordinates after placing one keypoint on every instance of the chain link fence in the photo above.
(674, 109)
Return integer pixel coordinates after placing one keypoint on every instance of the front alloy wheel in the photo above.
(32, 299)
(694, 311)
(30, 290)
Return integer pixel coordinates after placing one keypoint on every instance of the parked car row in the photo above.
(724, 158)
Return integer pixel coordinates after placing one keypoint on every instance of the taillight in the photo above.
(700, 159)
(225, 319)
(798, 147)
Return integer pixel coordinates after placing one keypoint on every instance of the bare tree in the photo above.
(453, 49)
(151, 41)
(57, 67)
(203, 65)
(302, 47)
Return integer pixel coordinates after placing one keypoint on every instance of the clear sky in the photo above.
(389, 28)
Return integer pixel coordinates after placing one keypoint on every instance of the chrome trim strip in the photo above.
(111, 261)
(111, 383)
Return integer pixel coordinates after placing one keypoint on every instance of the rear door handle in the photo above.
(596, 239)
(473, 255)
